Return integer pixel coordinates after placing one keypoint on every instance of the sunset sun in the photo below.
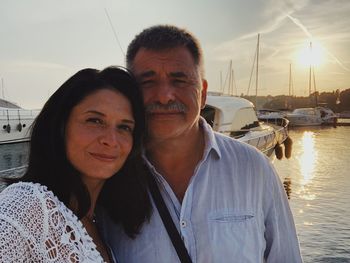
(312, 53)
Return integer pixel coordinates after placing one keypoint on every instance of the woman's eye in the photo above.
(126, 128)
(94, 120)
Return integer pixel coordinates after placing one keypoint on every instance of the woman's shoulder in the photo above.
(24, 187)
(37, 215)
(24, 202)
(24, 193)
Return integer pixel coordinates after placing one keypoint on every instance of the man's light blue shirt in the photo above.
(235, 210)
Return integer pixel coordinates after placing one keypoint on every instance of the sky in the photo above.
(44, 42)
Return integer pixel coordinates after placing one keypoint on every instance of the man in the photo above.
(224, 197)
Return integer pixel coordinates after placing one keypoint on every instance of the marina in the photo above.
(317, 182)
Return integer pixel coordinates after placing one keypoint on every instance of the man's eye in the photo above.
(146, 83)
(179, 82)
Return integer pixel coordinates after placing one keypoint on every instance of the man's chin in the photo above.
(162, 133)
(153, 118)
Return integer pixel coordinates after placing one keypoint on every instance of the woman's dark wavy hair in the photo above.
(124, 195)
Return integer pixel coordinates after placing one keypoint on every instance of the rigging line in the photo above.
(230, 78)
(234, 83)
(251, 73)
(114, 32)
(227, 74)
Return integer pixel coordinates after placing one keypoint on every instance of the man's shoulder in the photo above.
(227, 142)
(236, 153)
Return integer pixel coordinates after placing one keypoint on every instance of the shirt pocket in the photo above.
(235, 235)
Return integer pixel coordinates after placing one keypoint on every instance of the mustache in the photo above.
(171, 106)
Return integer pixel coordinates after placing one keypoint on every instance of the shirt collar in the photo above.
(209, 139)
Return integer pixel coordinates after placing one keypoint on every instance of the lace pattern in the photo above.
(36, 227)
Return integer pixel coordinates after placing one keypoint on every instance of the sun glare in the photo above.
(311, 55)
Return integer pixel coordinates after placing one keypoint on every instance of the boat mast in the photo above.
(291, 88)
(313, 75)
(257, 72)
(290, 79)
(234, 86)
(2, 88)
(221, 89)
(251, 74)
(310, 69)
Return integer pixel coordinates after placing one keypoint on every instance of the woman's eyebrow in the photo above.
(95, 112)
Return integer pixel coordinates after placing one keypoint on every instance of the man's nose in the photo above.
(165, 93)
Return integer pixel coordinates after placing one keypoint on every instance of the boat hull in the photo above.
(236, 117)
(15, 125)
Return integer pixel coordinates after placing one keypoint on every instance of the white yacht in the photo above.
(304, 117)
(15, 122)
(236, 117)
(312, 116)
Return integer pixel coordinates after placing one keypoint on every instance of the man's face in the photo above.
(173, 91)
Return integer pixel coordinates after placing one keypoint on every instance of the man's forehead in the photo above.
(171, 59)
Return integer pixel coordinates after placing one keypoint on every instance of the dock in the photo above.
(343, 122)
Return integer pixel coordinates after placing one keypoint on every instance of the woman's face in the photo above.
(99, 135)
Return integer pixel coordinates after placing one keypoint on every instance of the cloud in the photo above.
(298, 23)
(34, 65)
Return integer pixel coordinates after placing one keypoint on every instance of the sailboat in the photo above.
(312, 116)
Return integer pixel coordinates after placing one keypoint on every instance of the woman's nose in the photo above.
(110, 137)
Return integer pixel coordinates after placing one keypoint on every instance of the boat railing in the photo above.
(7, 114)
(283, 122)
(262, 142)
(13, 172)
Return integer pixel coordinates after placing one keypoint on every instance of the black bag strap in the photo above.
(174, 235)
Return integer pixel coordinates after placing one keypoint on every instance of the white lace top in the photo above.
(36, 227)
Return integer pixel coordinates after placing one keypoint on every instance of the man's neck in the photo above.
(176, 159)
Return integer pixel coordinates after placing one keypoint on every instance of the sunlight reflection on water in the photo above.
(317, 180)
(308, 158)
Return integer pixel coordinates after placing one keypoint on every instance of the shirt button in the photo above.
(183, 223)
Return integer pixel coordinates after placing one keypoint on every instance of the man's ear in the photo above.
(204, 93)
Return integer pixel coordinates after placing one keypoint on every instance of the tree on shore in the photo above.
(337, 100)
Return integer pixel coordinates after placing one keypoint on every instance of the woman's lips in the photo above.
(104, 157)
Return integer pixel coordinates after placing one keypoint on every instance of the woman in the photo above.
(84, 151)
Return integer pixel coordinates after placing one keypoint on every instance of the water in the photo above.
(13, 155)
(317, 179)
